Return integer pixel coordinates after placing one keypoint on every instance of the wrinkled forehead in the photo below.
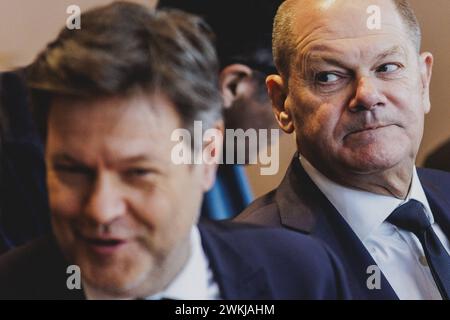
(321, 21)
(112, 128)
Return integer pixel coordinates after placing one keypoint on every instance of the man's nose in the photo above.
(106, 202)
(367, 95)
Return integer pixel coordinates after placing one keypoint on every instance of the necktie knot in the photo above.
(410, 216)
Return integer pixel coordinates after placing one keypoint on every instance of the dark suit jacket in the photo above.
(298, 204)
(248, 262)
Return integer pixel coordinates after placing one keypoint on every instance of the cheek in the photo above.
(63, 201)
(64, 208)
(315, 119)
(152, 208)
(162, 210)
(408, 107)
(406, 93)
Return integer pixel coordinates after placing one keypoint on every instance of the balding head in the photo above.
(291, 11)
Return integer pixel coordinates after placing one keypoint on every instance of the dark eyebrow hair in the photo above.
(396, 49)
(137, 158)
(65, 157)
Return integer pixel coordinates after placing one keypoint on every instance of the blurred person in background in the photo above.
(243, 39)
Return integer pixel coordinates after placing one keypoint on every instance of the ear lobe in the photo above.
(212, 153)
(233, 82)
(278, 96)
(426, 70)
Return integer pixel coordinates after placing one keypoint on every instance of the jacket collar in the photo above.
(437, 197)
(303, 207)
(299, 200)
(237, 277)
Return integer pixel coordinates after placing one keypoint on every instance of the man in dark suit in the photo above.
(109, 99)
(355, 90)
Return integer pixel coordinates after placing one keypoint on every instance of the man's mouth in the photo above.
(368, 129)
(104, 245)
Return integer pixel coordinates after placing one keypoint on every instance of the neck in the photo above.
(394, 182)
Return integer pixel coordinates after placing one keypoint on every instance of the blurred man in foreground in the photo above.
(108, 99)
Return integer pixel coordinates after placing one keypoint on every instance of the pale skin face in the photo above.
(121, 210)
(356, 98)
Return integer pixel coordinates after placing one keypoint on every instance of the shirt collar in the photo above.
(364, 211)
(193, 282)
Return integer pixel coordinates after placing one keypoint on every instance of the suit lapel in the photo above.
(438, 201)
(236, 276)
(303, 207)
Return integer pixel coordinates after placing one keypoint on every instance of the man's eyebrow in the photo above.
(311, 59)
(394, 50)
(317, 54)
(321, 53)
(136, 158)
(64, 157)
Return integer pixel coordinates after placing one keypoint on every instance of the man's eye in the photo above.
(388, 68)
(138, 172)
(72, 169)
(327, 77)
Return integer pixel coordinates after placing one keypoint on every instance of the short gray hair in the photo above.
(282, 36)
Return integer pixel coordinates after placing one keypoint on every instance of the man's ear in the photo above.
(426, 70)
(235, 81)
(212, 153)
(278, 95)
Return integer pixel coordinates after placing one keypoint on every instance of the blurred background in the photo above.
(26, 26)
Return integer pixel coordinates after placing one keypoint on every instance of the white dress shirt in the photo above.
(194, 282)
(398, 253)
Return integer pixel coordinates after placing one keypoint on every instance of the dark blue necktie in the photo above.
(411, 217)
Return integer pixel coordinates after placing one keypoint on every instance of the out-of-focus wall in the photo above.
(26, 26)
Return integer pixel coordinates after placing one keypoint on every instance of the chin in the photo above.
(116, 276)
(371, 160)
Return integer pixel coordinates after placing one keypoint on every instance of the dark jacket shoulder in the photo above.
(297, 266)
(262, 211)
(437, 178)
(36, 270)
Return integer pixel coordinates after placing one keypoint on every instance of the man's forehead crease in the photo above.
(305, 37)
(320, 54)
